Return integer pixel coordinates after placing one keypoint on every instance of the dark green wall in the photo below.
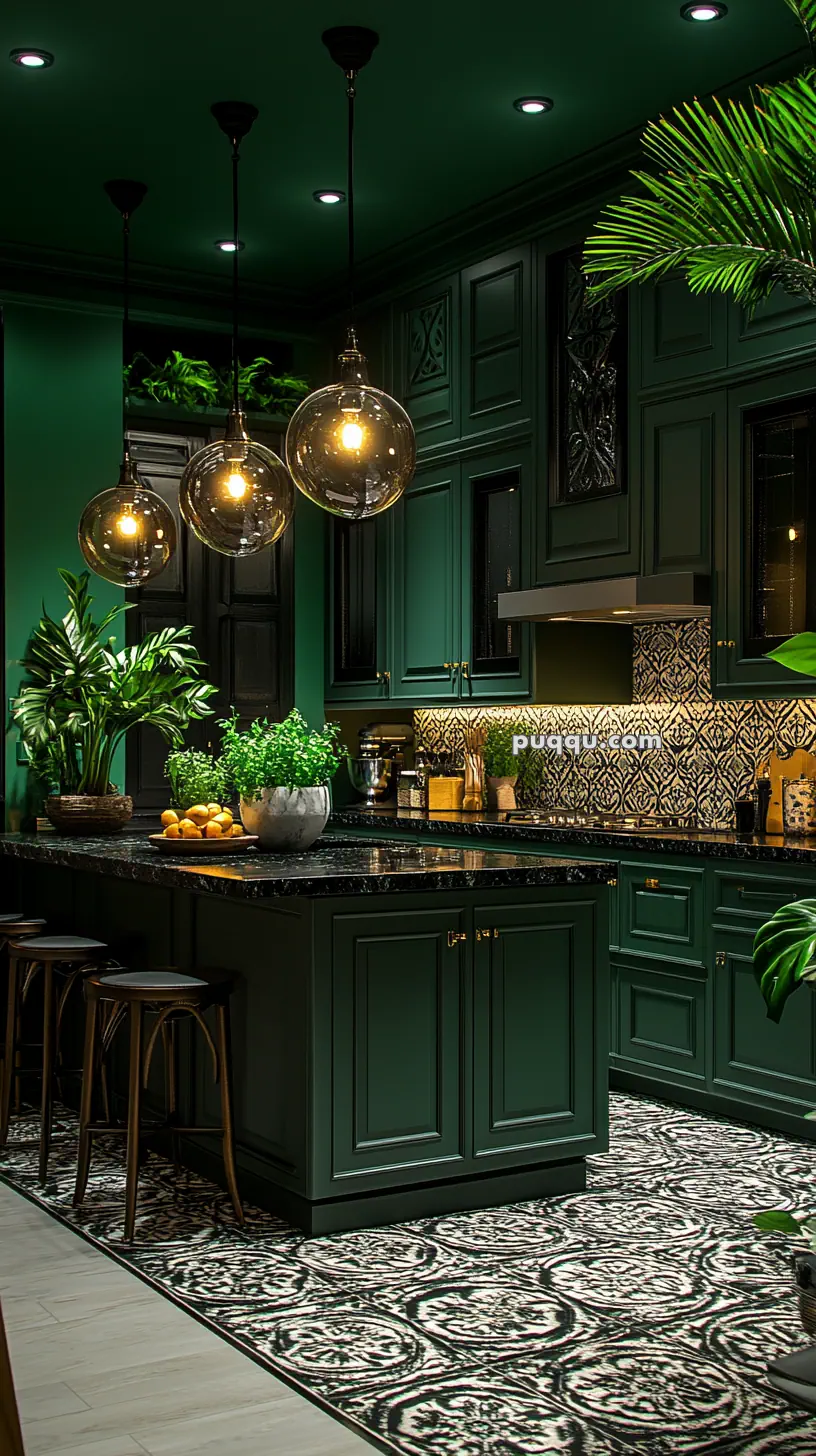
(62, 413)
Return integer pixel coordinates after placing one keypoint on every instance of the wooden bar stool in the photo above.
(169, 994)
(69, 957)
(13, 926)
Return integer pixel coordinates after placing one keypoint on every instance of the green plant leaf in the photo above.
(778, 1221)
(785, 953)
(797, 653)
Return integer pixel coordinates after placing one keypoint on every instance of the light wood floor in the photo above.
(104, 1366)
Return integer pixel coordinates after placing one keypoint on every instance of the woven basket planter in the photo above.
(89, 813)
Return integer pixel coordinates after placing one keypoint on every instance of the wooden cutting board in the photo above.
(800, 762)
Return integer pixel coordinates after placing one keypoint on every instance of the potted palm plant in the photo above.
(282, 772)
(83, 696)
(728, 199)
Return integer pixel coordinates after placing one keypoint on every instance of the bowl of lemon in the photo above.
(202, 829)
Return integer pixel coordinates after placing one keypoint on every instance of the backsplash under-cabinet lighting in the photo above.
(709, 749)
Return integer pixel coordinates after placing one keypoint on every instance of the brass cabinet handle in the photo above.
(486, 934)
(730, 643)
(465, 666)
(613, 883)
(652, 884)
(720, 958)
(455, 937)
(762, 894)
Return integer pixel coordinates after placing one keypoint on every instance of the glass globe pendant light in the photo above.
(350, 447)
(236, 495)
(127, 534)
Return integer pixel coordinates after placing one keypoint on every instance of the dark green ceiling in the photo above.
(130, 92)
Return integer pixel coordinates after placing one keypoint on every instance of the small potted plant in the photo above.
(83, 696)
(501, 766)
(282, 772)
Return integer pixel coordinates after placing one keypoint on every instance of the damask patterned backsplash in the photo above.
(710, 750)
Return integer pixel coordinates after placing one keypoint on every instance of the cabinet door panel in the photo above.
(661, 1019)
(427, 336)
(748, 900)
(496, 362)
(534, 1049)
(750, 1051)
(739, 667)
(495, 558)
(425, 610)
(396, 995)
(356, 651)
(249, 627)
(661, 910)
(683, 334)
(781, 324)
(683, 463)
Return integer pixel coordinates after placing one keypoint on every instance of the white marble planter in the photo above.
(286, 819)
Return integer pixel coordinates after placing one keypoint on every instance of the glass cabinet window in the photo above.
(496, 568)
(355, 601)
(781, 576)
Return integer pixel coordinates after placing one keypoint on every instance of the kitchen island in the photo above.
(416, 1029)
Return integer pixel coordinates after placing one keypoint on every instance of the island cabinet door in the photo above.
(396, 1045)
(539, 1033)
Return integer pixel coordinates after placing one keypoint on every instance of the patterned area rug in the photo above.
(635, 1317)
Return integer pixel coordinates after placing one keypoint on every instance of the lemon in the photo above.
(192, 833)
(199, 814)
(213, 810)
(173, 831)
(169, 817)
(212, 830)
(224, 819)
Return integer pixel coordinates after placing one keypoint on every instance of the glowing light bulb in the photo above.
(792, 533)
(351, 435)
(127, 525)
(236, 486)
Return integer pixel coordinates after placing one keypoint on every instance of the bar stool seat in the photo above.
(170, 994)
(63, 960)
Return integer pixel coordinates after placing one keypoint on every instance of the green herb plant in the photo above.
(499, 760)
(728, 199)
(195, 778)
(285, 755)
(82, 696)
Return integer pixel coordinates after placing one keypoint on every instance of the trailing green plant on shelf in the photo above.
(83, 695)
(195, 777)
(729, 200)
(193, 384)
(287, 755)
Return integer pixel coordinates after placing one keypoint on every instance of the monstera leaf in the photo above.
(798, 653)
(785, 953)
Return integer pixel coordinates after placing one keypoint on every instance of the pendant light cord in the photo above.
(125, 324)
(236, 157)
(351, 92)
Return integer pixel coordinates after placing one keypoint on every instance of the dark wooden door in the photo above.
(240, 613)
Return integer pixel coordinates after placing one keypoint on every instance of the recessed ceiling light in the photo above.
(330, 196)
(532, 105)
(704, 10)
(32, 59)
(227, 245)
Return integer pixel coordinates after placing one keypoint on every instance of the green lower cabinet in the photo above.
(773, 1065)
(397, 994)
(535, 985)
(661, 1020)
(660, 909)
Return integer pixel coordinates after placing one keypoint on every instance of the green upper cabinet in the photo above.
(497, 362)
(494, 655)
(765, 571)
(681, 334)
(683, 445)
(425, 589)
(782, 325)
(426, 367)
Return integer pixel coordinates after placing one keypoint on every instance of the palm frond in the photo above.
(732, 202)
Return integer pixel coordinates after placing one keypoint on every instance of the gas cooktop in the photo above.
(589, 819)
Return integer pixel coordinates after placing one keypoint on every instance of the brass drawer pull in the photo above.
(613, 883)
(454, 938)
(486, 934)
(730, 643)
(652, 884)
(763, 894)
(720, 958)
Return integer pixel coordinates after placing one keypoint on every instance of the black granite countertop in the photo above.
(333, 866)
(494, 825)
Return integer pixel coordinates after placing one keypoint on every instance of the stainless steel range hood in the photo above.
(672, 597)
